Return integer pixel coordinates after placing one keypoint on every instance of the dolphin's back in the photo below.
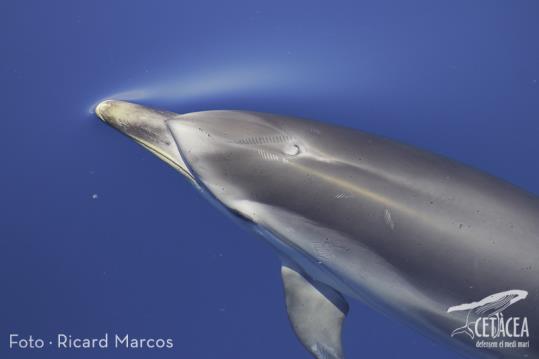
(399, 199)
(436, 232)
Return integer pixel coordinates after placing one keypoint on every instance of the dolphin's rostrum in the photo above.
(353, 215)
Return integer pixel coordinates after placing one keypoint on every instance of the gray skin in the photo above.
(407, 232)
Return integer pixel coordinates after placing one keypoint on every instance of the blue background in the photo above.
(149, 256)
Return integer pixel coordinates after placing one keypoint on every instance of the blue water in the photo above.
(97, 235)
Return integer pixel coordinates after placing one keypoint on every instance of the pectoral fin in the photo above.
(316, 311)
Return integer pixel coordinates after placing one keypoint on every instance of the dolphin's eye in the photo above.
(291, 149)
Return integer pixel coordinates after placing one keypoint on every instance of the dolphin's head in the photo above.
(237, 156)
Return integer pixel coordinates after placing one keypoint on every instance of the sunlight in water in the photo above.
(203, 84)
(186, 87)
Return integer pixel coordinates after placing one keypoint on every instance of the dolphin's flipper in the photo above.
(316, 312)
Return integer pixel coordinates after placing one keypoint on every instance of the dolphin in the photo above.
(357, 216)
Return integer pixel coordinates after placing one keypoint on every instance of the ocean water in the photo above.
(99, 236)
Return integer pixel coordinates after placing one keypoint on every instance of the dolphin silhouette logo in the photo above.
(491, 306)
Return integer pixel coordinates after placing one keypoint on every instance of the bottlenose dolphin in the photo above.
(353, 215)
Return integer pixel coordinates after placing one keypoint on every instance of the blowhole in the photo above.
(291, 149)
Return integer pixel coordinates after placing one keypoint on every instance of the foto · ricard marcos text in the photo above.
(67, 341)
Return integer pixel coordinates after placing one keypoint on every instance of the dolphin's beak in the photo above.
(146, 126)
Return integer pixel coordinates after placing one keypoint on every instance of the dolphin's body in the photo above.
(355, 215)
